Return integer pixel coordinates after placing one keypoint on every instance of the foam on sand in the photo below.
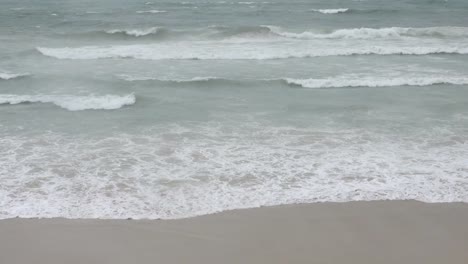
(72, 102)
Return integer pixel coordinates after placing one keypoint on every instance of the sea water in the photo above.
(171, 109)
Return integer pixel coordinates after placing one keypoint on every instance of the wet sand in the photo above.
(356, 232)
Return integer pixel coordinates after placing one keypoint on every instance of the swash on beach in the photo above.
(172, 109)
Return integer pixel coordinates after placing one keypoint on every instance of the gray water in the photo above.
(170, 109)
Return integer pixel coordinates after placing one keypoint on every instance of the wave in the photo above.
(331, 11)
(335, 82)
(267, 33)
(239, 51)
(377, 11)
(135, 32)
(356, 81)
(9, 76)
(131, 78)
(206, 81)
(71, 102)
(370, 33)
(151, 11)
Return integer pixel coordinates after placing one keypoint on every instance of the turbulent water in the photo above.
(170, 109)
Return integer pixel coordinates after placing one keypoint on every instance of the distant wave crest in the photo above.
(370, 33)
(71, 102)
(132, 78)
(151, 11)
(331, 11)
(135, 32)
(353, 81)
(355, 11)
(9, 76)
(332, 82)
(271, 33)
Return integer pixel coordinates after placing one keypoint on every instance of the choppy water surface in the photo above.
(170, 109)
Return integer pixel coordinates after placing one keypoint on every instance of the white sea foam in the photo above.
(151, 11)
(135, 32)
(258, 50)
(371, 33)
(72, 102)
(331, 11)
(183, 171)
(9, 75)
(373, 81)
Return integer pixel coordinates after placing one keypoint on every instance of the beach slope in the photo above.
(355, 232)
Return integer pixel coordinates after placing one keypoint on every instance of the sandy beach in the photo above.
(233, 132)
(356, 232)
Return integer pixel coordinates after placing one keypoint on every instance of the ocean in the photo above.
(172, 109)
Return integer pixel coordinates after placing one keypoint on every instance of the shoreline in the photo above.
(351, 232)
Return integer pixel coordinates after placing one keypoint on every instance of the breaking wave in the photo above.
(335, 82)
(9, 76)
(239, 51)
(151, 11)
(356, 81)
(271, 33)
(71, 102)
(135, 32)
(371, 33)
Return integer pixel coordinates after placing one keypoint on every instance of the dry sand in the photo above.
(357, 232)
